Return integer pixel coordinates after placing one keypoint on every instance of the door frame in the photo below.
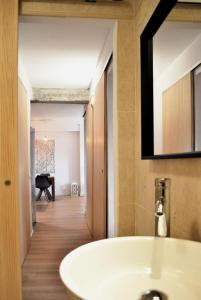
(10, 278)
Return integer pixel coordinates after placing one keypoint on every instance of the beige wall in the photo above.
(185, 174)
(124, 95)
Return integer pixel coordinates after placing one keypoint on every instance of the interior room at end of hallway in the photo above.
(59, 147)
(64, 162)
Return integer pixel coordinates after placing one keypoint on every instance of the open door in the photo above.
(99, 165)
(89, 162)
(32, 172)
(10, 275)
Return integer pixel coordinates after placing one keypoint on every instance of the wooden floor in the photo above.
(61, 227)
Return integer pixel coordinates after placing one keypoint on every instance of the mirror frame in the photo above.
(147, 104)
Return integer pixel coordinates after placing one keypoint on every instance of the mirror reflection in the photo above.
(177, 87)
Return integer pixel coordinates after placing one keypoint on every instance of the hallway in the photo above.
(61, 227)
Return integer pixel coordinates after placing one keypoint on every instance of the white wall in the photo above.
(25, 81)
(24, 77)
(185, 62)
(67, 159)
(103, 61)
(57, 125)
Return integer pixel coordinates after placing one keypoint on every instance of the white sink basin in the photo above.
(124, 268)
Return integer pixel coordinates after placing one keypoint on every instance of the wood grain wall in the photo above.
(99, 161)
(177, 116)
(185, 174)
(24, 177)
(89, 157)
(10, 275)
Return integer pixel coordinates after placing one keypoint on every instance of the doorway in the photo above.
(64, 62)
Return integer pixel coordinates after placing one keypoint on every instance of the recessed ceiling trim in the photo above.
(60, 96)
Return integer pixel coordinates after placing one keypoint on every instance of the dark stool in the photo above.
(43, 184)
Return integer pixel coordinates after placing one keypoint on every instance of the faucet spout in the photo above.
(161, 222)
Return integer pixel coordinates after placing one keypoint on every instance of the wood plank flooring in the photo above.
(61, 227)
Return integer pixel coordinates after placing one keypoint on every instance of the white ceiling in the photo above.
(56, 117)
(170, 41)
(61, 52)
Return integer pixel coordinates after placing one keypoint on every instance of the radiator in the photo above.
(74, 189)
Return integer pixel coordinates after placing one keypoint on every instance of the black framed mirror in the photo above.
(171, 81)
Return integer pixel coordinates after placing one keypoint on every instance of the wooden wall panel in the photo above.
(177, 115)
(24, 173)
(89, 151)
(10, 275)
(99, 170)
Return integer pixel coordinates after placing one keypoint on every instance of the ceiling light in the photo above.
(45, 139)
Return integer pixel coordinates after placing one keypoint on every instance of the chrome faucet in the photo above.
(162, 207)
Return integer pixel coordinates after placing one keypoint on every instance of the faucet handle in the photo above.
(160, 185)
(160, 182)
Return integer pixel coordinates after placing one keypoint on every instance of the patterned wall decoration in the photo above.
(45, 156)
